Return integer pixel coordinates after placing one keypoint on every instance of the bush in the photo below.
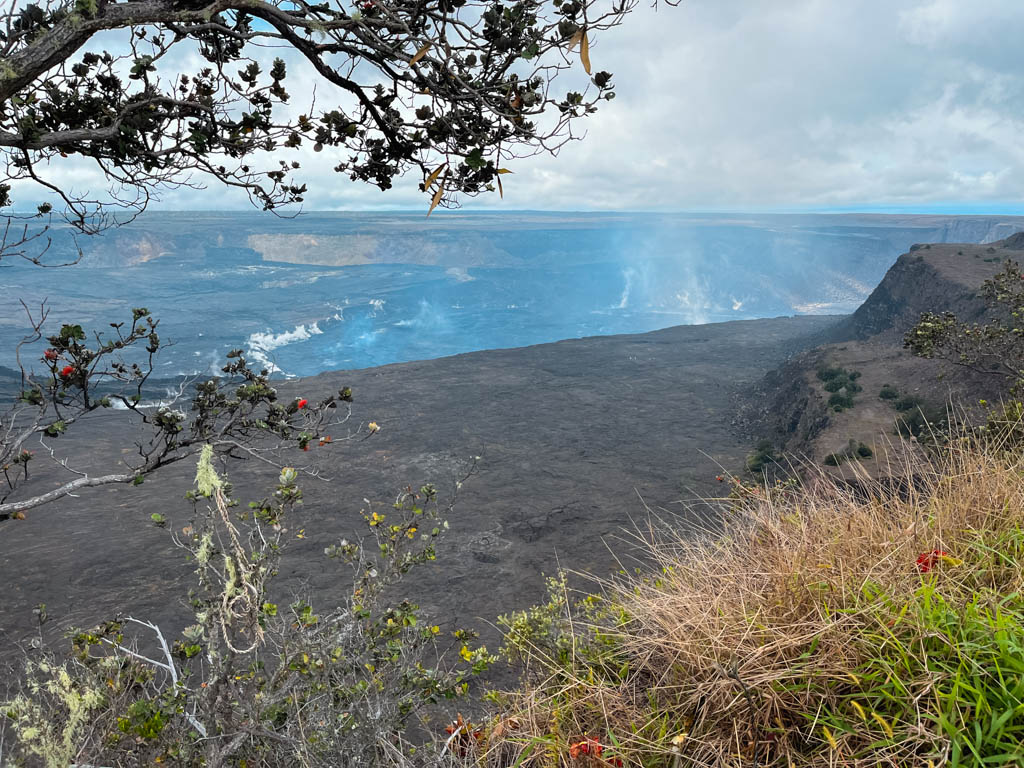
(842, 384)
(922, 421)
(889, 392)
(839, 402)
(830, 372)
(250, 682)
(844, 626)
(764, 456)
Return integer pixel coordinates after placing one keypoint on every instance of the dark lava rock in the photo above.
(574, 438)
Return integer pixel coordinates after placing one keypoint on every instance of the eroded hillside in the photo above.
(844, 402)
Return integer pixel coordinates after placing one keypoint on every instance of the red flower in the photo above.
(67, 370)
(50, 354)
(719, 478)
(586, 747)
(928, 560)
(302, 403)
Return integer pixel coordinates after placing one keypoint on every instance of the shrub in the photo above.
(888, 392)
(922, 421)
(764, 456)
(840, 402)
(250, 682)
(836, 381)
(841, 627)
(827, 373)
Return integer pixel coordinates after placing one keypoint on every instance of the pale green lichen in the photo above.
(207, 479)
(205, 549)
(55, 741)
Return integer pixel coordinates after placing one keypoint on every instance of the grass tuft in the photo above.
(868, 624)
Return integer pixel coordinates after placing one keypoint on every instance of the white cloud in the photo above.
(728, 104)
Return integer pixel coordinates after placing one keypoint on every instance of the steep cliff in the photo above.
(930, 278)
(791, 405)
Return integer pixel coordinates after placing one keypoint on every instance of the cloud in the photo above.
(779, 104)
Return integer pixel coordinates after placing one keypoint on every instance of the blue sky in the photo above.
(774, 105)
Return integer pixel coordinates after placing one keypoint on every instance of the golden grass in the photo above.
(790, 636)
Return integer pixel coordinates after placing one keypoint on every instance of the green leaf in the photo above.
(475, 159)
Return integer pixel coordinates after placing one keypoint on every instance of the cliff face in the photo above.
(930, 278)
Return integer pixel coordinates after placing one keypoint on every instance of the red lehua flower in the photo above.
(305, 447)
(302, 403)
(719, 478)
(50, 354)
(67, 370)
(928, 560)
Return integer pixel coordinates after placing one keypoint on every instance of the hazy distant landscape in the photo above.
(326, 291)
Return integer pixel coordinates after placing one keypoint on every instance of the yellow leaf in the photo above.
(433, 177)
(575, 39)
(437, 197)
(419, 54)
(504, 170)
(585, 52)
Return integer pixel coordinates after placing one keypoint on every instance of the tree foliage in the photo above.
(238, 415)
(251, 682)
(160, 93)
(995, 347)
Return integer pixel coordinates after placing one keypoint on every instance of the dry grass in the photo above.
(802, 633)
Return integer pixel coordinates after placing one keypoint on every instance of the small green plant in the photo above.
(764, 456)
(888, 392)
(827, 373)
(839, 402)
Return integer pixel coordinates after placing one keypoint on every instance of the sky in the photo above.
(769, 105)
